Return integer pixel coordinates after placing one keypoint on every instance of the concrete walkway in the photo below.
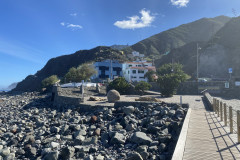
(207, 138)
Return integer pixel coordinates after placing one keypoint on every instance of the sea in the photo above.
(4, 90)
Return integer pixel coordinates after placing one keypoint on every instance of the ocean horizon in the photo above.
(4, 90)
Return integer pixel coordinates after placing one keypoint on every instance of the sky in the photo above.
(34, 31)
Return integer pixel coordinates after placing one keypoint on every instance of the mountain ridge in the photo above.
(176, 37)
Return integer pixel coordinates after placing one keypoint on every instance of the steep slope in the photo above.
(200, 30)
(60, 65)
(185, 55)
(221, 52)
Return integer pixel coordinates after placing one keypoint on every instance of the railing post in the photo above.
(214, 103)
(218, 108)
(238, 125)
(225, 114)
(230, 120)
(221, 111)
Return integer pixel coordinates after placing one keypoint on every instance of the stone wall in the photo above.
(193, 88)
(62, 100)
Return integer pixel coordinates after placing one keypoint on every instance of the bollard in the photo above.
(238, 125)
(221, 111)
(230, 120)
(225, 114)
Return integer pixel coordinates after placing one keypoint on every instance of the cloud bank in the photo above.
(136, 22)
(180, 3)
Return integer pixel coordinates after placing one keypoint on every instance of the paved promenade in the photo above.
(207, 137)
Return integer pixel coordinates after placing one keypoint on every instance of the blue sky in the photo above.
(33, 31)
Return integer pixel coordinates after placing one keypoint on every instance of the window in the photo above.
(141, 77)
(128, 72)
(130, 65)
(140, 71)
(134, 71)
(139, 65)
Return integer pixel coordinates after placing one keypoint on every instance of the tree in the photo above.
(120, 84)
(49, 81)
(169, 78)
(82, 72)
(149, 76)
(142, 86)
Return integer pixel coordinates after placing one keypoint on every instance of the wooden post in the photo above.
(221, 111)
(214, 103)
(218, 108)
(230, 120)
(225, 114)
(238, 125)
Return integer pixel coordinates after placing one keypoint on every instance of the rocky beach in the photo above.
(31, 128)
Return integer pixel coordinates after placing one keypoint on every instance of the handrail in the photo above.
(225, 112)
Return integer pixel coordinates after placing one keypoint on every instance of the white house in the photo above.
(137, 54)
(135, 71)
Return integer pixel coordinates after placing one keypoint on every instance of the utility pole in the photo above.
(197, 69)
(197, 61)
(198, 48)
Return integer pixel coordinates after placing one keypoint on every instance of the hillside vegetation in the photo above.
(200, 30)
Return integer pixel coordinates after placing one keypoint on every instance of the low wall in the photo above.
(180, 146)
(61, 100)
(208, 99)
(141, 103)
(195, 88)
(67, 101)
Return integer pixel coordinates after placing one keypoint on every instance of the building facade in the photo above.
(108, 69)
(135, 71)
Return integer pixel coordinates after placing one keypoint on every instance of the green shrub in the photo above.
(49, 81)
(149, 76)
(142, 86)
(120, 84)
(82, 72)
(169, 78)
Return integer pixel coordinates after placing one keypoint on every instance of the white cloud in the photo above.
(73, 14)
(72, 26)
(136, 22)
(180, 3)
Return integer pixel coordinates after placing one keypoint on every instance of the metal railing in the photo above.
(227, 114)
